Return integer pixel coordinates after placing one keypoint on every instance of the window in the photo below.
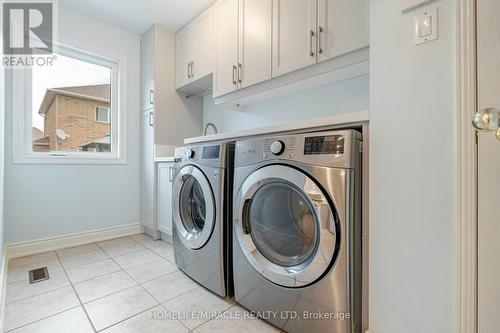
(102, 114)
(75, 109)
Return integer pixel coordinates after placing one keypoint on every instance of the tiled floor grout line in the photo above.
(78, 296)
(36, 321)
(159, 303)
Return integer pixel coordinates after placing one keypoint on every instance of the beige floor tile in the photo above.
(236, 319)
(93, 270)
(23, 289)
(165, 250)
(147, 241)
(78, 259)
(31, 309)
(200, 301)
(74, 321)
(92, 289)
(170, 286)
(136, 258)
(151, 270)
(120, 246)
(77, 250)
(151, 321)
(16, 274)
(112, 309)
(19, 262)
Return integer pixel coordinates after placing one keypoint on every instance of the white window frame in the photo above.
(22, 109)
(107, 114)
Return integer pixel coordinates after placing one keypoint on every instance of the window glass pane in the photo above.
(70, 106)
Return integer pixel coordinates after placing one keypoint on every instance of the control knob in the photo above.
(277, 147)
(189, 153)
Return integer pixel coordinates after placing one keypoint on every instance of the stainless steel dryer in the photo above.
(297, 230)
(201, 189)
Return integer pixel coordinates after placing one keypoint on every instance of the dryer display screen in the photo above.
(210, 152)
(332, 144)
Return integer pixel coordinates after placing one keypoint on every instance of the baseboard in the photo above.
(22, 249)
(3, 286)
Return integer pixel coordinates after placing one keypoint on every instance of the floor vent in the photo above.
(38, 275)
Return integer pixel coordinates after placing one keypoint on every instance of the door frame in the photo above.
(467, 155)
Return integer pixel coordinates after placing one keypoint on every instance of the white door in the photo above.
(165, 178)
(488, 61)
(147, 169)
(147, 70)
(255, 33)
(203, 45)
(226, 46)
(343, 27)
(294, 35)
(184, 41)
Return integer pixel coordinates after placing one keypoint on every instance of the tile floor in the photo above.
(129, 284)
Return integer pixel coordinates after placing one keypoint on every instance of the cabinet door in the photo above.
(226, 46)
(294, 35)
(147, 170)
(342, 27)
(255, 33)
(147, 70)
(165, 177)
(184, 41)
(204, 44)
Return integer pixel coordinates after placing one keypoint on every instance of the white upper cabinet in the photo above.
(203, 46)
(147, 71)
(194, 49)
(226, 47)
(343, 27)
(184, 48)
(294, 35)
(255, 36)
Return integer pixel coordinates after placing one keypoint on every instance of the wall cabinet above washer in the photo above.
(194, 51)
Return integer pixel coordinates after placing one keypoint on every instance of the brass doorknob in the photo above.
(487, 120)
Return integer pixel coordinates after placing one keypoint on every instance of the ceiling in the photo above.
(137, 16)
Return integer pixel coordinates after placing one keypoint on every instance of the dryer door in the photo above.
(193, 207)
(285, 226)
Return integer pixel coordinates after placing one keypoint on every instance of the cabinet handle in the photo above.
(188, 73)
(320, 49)
(311, 36)
(240, 72)
(192, 64)
(152, 97)
(151, 119)
(234, 75)
(171, 173)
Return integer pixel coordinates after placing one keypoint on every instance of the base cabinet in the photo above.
(165, 178)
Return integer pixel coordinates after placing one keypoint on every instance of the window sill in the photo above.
(72, 160)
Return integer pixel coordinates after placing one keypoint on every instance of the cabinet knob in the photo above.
(487, 120)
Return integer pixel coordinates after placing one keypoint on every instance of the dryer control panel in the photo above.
(332, 148)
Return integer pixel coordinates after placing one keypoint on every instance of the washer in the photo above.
(297, 230)
(201, 189)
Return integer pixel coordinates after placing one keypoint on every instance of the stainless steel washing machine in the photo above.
(201, 191)
(297, 230)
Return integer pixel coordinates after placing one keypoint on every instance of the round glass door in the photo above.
(285, 226)
(194, 210)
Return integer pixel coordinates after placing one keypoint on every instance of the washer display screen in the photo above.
(332, 144)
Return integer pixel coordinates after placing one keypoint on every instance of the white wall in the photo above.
(413, 121)
(49, 200)
(340, 97)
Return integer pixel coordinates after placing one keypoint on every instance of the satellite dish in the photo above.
(61, 134)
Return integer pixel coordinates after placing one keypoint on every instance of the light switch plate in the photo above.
(407, 5)
(426, 26)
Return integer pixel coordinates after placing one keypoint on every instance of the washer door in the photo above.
(285, 226)
(194, 207)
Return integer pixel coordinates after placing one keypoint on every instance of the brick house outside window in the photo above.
(76, 119)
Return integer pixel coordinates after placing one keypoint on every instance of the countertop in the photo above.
(164, 159)
(331, 122)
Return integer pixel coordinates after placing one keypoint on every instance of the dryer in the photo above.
(200, 193)
(297, 230)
